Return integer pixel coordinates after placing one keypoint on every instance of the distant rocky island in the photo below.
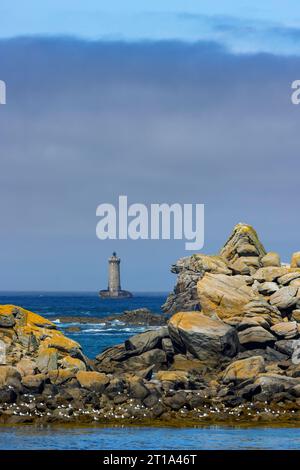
(229, 353)
(136, 317)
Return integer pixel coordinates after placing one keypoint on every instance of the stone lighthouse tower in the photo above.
(114, 290)
(114, 282)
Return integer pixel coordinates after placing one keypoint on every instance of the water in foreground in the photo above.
(135, 438)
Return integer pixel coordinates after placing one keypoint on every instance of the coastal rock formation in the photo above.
(230, 353)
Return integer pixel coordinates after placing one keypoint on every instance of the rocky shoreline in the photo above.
(230, 352)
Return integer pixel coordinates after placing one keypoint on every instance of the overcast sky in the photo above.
(160, 121)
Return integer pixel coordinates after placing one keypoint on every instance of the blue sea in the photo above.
(96, 337)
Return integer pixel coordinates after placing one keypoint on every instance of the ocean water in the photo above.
(94, 338)
(136, 438)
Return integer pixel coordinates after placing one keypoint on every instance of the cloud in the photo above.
(244, 35)
(157, 121)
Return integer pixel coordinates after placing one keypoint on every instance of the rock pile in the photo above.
(230, 352)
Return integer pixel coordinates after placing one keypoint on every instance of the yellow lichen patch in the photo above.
(192, 320)
(92, 380)
(37, 320)
(172, 376)
(72, 363)
(6, 309)
(26, 317)
(58, 341)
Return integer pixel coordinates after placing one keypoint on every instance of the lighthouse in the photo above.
(114, 290)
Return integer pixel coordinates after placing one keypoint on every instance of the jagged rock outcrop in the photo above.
(243, 243)
(241, 254)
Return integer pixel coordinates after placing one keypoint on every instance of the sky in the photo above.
(241, 25)
(155, 100)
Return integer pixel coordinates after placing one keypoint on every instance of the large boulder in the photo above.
(203, 337)
(224, 295)
(94, 381)
(244, 369)
(146, 341)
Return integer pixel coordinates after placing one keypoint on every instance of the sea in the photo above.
(94, 338)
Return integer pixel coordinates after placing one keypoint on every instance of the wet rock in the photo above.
(249, 391)
(203, 337)
(152, 399)
(177, 401)
(137, 388)
(115, 387)
(7, 395)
